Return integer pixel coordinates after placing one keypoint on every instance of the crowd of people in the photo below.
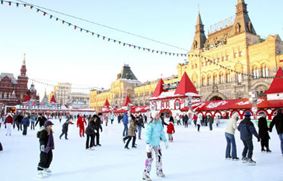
(156, 126)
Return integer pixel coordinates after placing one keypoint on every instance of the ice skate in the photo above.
(235, 159)
(146, 176)
(251, 162)
(41, 174)
(244, 159)
(160, 173)
(47, 171)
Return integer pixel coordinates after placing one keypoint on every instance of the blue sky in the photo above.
(55, 52)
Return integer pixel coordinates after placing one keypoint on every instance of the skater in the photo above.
(210, 121)
(263, 133)
(140, 125)
(97, 127)
(154, 134)
(230, 138)
(46, 142)
(125, 123)
(170, 129)
(18, 121)
(65, 128)
(132, 133)
(32, 121)
(112, 117)
(278, 122)
(25, 123)
(199, 118)
(247, 130)
(41, 120)
(90, 133)
(81, 125)
(8, 124)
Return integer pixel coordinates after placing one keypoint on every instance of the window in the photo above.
(228, 78)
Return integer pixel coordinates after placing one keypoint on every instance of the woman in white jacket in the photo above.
(230, 138)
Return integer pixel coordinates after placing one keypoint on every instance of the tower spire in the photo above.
(24, 61)
(242, 22)
(199, 38)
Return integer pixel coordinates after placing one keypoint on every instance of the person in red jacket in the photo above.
(8, 122)
(81, 124)
(170, 129)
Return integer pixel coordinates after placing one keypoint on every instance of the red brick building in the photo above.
(12, 90)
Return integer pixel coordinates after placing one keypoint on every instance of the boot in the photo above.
(251, 162)
(160, 173)
(146, 176)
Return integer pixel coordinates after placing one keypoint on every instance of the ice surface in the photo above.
(192, 156)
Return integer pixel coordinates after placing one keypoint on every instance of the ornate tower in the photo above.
(242, 21)
(22, 85)
(199, 38)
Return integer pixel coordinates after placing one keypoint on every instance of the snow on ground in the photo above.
(192, 156)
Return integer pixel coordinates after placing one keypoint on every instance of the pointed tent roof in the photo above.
(185, 86)
(277, 84)
(106, 103)
(159, 88)
(52, 100)
(127, 101)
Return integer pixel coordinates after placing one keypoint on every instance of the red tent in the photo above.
(277, 83)
(106, 104)
(158, 89)
(127, 101)
(52, 100)
(185, 86)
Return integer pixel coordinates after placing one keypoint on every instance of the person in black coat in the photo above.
(65, 128)
(278, 122)
(41, 120)
(263, 133)
(247, 130)
(97, 127)
(90, 133)
(46, 142)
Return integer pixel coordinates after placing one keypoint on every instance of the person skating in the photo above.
(81, 122)
(25, 123)
(170, 129)
(90, 133)
(125, 123)
(247, 130)
(131, 132)
(210, 121)
(154, 134)
(41, 119)
(46, 142)
(65, 128)
(263, 133)
(230, 138)
(278, 122)
(198, 122)
(97, 127)
(140, 125)
(8, 124)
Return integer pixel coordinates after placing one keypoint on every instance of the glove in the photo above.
(42, 148)
(101, 130)
(166, 145)
(148, 148)
(258, 139)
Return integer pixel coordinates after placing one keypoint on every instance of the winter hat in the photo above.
(48, 123)
(247, 114)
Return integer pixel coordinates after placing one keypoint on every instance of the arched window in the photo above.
(215, 78)
(208, 79)
(239, 77)
(228, 77)
(264, 71)
(177, 104)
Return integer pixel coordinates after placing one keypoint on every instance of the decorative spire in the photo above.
(24, 61)
(23, 68)
(200, 38)
(242, 22)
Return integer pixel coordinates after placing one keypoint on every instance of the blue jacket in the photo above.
(125, 118)
(247, 129)
(25, 121)
(155, 133)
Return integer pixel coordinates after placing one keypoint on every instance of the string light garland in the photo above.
(122, 43)
(97, 35)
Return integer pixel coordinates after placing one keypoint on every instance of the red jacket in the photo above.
(170, 128)
(9, 119)
(81, 122)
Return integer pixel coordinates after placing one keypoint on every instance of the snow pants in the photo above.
(82, 131)
(149, 160)
(45, 160)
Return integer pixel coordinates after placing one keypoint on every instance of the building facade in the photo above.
(62, 92)
(12, 90)
(232, 60)
(79, 100)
